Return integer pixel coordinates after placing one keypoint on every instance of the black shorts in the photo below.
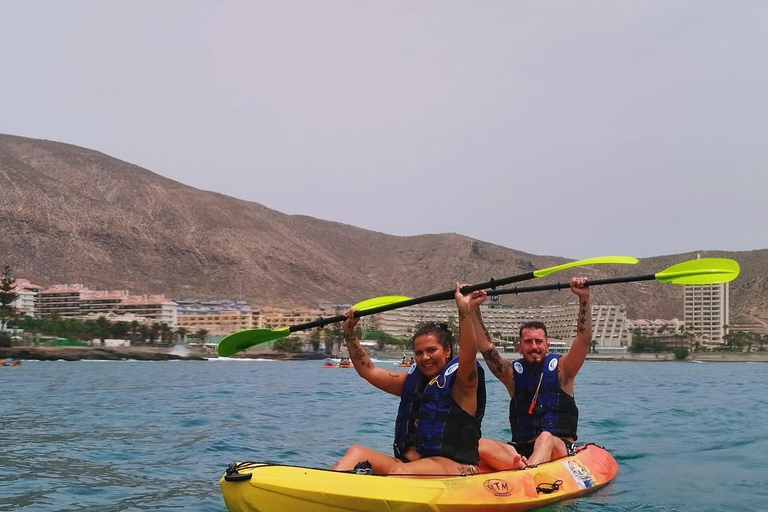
(525, 448)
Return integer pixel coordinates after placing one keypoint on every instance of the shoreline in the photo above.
(98, 353)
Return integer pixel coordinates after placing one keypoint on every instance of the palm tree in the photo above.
(144, 332)
(166, 333)
(314, 339)
(201, 334)
(154, 330)
(330, 340)
(101, 328)
(7, 297)
(182, 332)
(133, 328)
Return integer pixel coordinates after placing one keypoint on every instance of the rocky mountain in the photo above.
(73, 215)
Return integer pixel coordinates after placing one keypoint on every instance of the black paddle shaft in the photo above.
(560, 286)
(446, 295)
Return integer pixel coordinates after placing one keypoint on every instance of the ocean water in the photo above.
(132, 436)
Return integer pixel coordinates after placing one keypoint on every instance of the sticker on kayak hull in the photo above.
(498, 487)
(579, 473)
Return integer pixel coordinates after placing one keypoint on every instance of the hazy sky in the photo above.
(567, 128)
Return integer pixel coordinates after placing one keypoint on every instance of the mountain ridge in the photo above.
(71, 214)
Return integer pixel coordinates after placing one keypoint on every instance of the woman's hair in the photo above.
(439, 330)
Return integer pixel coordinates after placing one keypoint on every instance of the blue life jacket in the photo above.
(429, 419)
(555, 410)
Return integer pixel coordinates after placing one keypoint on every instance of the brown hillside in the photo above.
(69, 214)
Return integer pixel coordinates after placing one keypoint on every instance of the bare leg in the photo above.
(547, 447)
(433, 466)
(380, 464)
(499, 456)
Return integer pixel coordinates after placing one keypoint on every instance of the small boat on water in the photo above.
(405, 363)
(260, 487)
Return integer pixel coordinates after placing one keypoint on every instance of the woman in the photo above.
(442, 400)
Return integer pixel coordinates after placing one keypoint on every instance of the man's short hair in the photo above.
(533, 325)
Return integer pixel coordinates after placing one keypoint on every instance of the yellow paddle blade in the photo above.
(379, 301)
(248, 338)
(625, 260)
(702, 271)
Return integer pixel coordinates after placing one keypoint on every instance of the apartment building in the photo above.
(707, 312)
(155, 308)
(654, 328)
(60, 300)
(77, 301)
(276, 318)
(27, 293)
(218, 317)
(101, 302)
(608, 321)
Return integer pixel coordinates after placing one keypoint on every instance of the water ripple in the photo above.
(134, 436)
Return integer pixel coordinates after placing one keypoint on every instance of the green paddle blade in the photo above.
(379, 301)
(626, 260)
(242, 340)
(703, 271)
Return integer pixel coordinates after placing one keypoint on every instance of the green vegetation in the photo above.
(75, 330)
(680, 353)
(290, 344)
(314, 339)
(643, 344)
(737, 341)
(382, 338)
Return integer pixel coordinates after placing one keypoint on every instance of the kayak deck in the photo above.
(259, 487)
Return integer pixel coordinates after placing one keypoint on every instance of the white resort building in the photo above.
(707, 312)
(77, 301)
(608, 322)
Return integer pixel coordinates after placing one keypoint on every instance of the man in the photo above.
(542, 413)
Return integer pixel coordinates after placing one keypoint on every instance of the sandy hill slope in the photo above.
(73, 215)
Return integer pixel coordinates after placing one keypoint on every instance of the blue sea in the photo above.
(131, 436)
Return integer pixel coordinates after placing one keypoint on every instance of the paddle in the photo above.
(242, 340)
(701, 271)
(388, 302)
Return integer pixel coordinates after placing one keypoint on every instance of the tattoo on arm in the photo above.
(463, 315)
(582, 320)
(497, 364)
(349, 337)
(394, 375)
(482, 324)
(356, 352)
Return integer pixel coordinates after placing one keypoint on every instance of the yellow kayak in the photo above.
(257, 487)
